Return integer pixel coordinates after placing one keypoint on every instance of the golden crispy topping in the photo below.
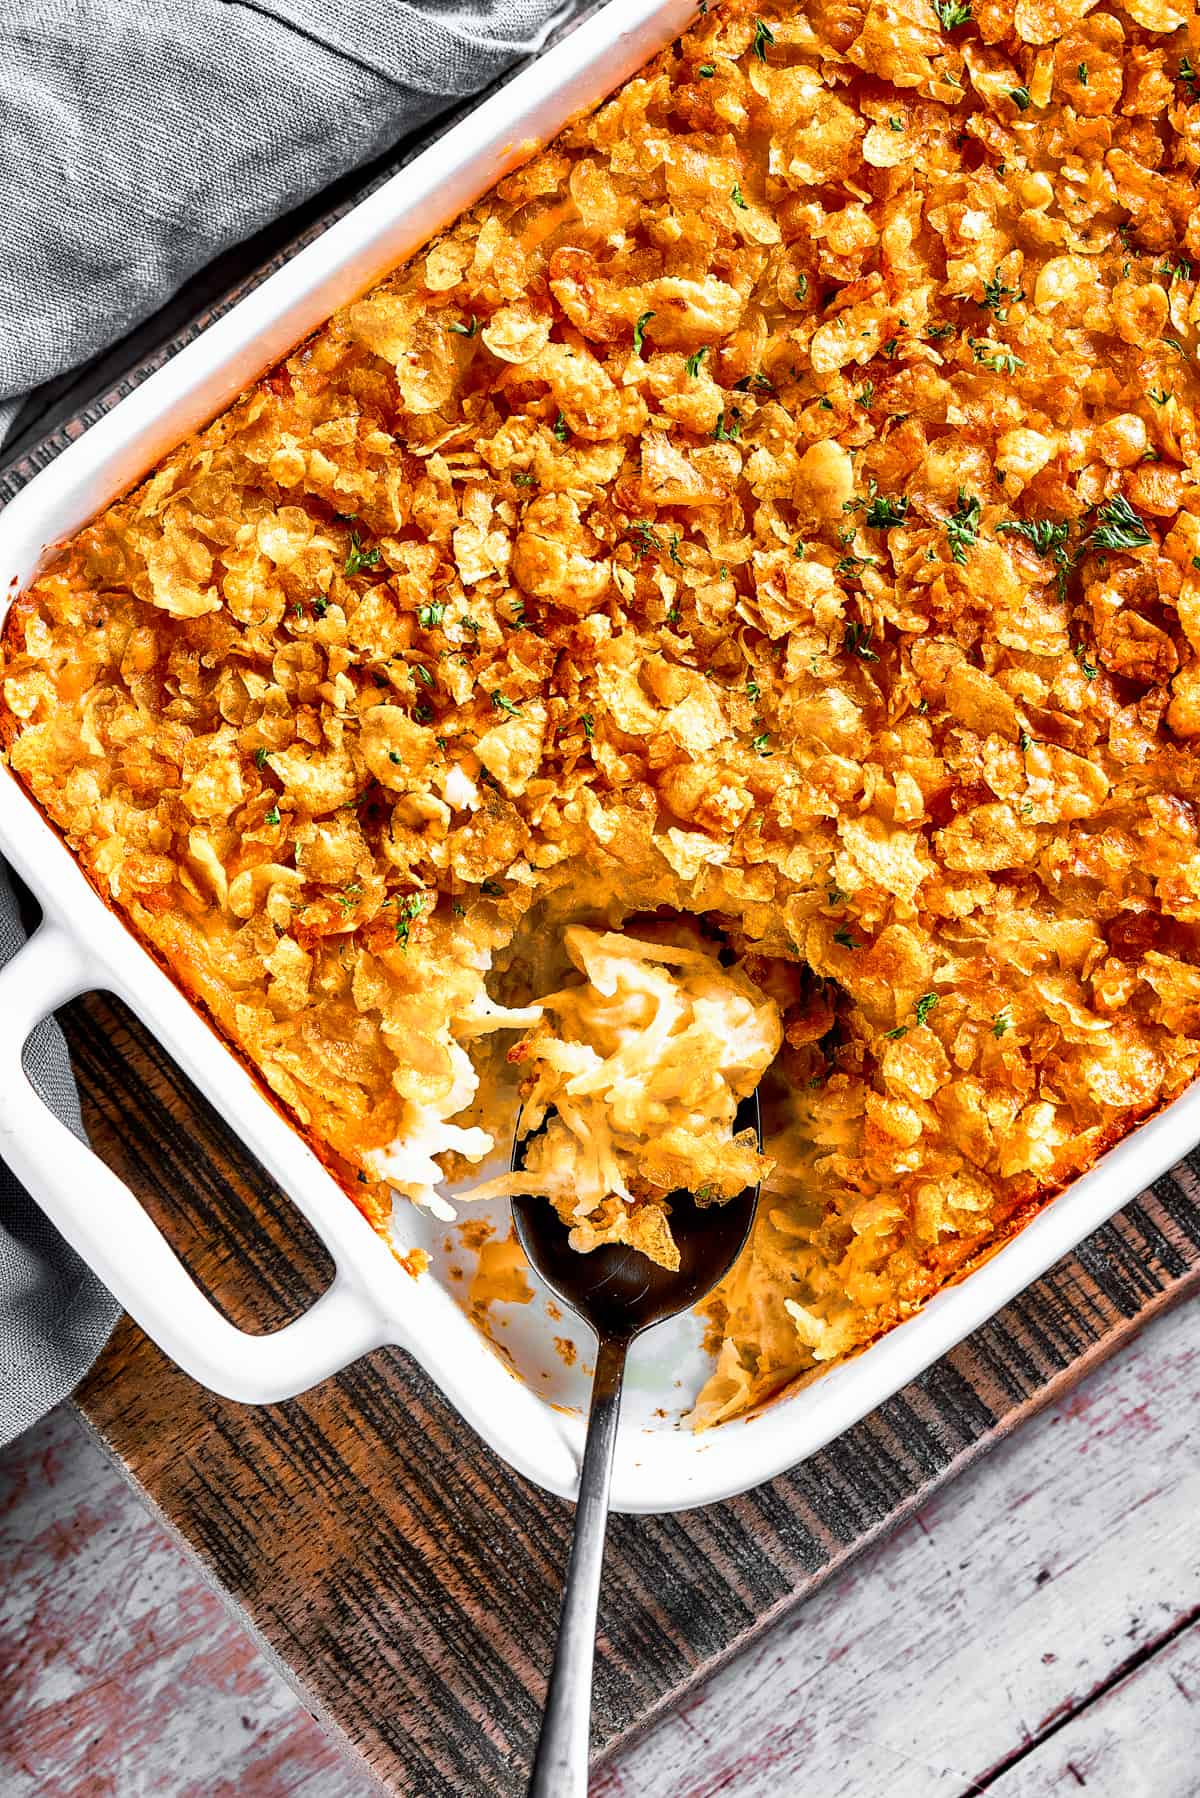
(779, 499)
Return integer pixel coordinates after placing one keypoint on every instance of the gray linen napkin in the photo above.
(55, 1315)
(141, 137)
(138, 139)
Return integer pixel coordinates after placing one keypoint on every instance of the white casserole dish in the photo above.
(534, 1422)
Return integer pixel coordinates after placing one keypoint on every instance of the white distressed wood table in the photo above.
(1033, 1630)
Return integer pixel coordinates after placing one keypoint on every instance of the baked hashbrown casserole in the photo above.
(777, 502)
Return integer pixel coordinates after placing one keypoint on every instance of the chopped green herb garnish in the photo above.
(997, 297)
(505, 705)
(639, 332)
(763, 35)
(1081, 656)
(423, 675)
(962, 526)
(1120, 527)
(461, 330)
(1001, 362)
(894, 123)
(562, 429)
(1159, 395)
(695, 359)
(706, 70)
(865, 396)
(1002, 1021)
(748, 381)
(589, 725)
(728, 426)
(842, 936)
(736, 197)
(858, 504)
(260, 758)
(407, 912)
(801, 289)
(320, 605)
(924, 1006)
(1083, 74)
(952, 13)
(851, 566)
(272, 817)
(1045, 534)
(429, 617)
(644, 538)
(360, 558)
(857, 638)
(893, 1036)
(492, 888)
(753, 689)
(1019, 97)
(760, 742)
(883, 513)
(935, 333)
(1187, 75)
(524, 480)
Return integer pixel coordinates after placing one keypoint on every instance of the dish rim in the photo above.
(83, 944)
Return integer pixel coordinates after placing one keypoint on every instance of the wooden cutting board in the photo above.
(405, 1580)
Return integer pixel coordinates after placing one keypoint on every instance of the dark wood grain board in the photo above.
(405, 1579)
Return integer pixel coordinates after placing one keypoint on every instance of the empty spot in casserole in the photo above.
(501, 1276)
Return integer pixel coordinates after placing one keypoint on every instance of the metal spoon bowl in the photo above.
(619, 1292)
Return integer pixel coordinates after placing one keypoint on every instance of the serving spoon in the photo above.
(620, 1292)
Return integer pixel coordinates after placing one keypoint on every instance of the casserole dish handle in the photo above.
(104, 1222)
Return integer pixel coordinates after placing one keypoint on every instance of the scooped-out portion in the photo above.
(633, 1076)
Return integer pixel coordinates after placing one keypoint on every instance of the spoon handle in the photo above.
(560, 1767)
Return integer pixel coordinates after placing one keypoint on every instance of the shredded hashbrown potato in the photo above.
(636, 1071)
(779, 500)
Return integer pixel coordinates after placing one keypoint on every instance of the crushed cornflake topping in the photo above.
(785, 484)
